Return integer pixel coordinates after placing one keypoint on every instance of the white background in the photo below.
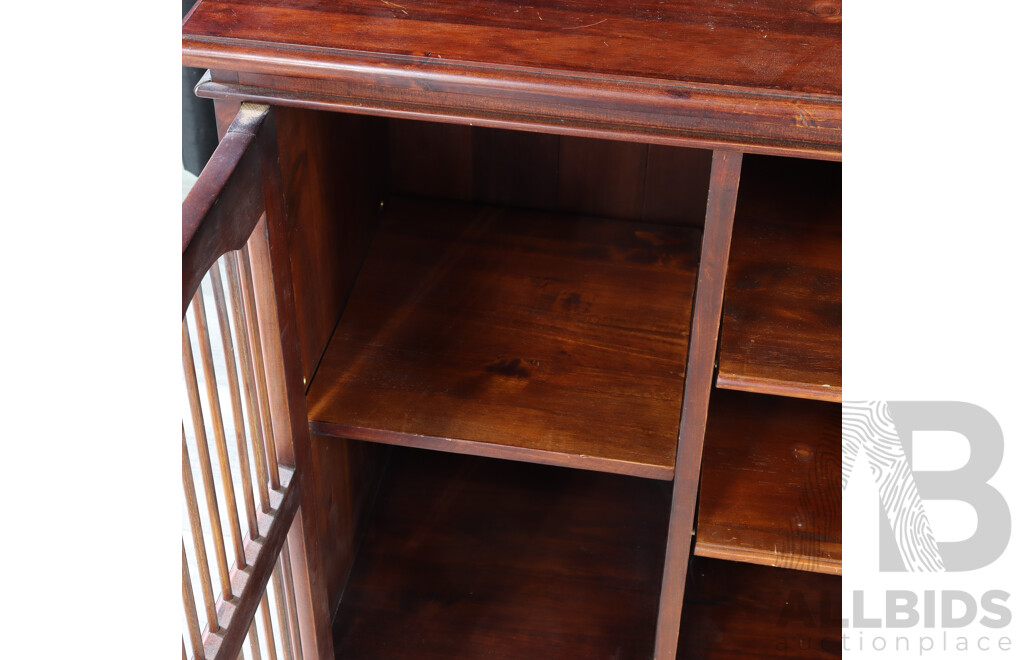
(932, 259)
(91, 144)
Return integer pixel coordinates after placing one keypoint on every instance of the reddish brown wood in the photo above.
(191, 613)
(217, 420)
(236, 189)
(676, 185)
(224, 109)
(234, 389)
(198, 543)
(763, 74)
(265, 440)
(350, 474)
(736, 611)
(770, 486)
(615, 179)
(332, 171)
(289, 403)
(250, 584)
(220, 210)
(245, 363)
(468, 557)
(428, 159)
(601, 177)
(205, 465)
(707, 310)
(782, 325)
(516, 334)
(653, 117)
(513, 168)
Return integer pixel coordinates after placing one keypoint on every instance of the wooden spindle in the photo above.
(197, 537)
(256, 346)
(268, 627)
(254, 641)
(236, 401)
(249, 380)
(205, 468)
(219, 437)
(281, 607)
(293, 606)
(191, 615)
(184, 654)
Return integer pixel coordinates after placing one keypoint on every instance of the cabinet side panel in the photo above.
(350, 473)
(333, 171)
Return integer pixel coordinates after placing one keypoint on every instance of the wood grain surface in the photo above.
(714, 256)
(782, 323)
(774, 44)
(530, 336)
(742, 611)
(762, 74)
(333, 169)
(225, 203)
(770, 489)
(625, 180)
(467, 557)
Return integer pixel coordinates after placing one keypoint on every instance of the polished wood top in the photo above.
(791, 45)
(719, 68)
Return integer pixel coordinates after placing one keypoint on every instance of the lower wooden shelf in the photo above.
(468, 557)
(782, 315)
(770, 488)
(735, 610)
(541, 337)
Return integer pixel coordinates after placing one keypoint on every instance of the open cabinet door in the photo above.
(251, 577)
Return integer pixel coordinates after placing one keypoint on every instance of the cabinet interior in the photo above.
(512, 310)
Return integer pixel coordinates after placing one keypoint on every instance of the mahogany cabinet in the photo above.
(562, 285)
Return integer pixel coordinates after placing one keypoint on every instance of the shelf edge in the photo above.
(490, 450)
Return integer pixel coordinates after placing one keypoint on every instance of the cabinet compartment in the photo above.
(782, 317)
(468, 557)
(535, 336)
(737, 611)
(770, 482)
(515, 302)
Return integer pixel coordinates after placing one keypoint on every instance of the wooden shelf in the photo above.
(770, 483)
(532, 336)
(744, 611)
(782, 317)
(467, 557)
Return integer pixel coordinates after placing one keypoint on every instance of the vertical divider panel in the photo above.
(707, 314)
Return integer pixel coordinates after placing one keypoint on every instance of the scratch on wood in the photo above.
(580, 27)
(804, 119)
(392, 4)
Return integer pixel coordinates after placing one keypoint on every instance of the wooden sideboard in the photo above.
(566, 293)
